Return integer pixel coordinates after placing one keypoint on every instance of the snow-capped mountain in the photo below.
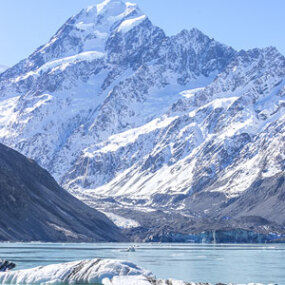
(114, 108)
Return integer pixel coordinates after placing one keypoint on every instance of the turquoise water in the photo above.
(188, 262)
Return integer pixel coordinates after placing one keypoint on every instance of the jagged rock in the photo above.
(6, 265)
(35, 208)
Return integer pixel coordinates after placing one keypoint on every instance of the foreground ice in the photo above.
(96, 271)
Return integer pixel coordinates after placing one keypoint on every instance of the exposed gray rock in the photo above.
(6, 265)
(35, 208)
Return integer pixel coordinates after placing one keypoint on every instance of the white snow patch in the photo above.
(190, 93)
(122, 139)
(83, 26)
(129, 24)
(112, 7)
(90, 8)
(43, 99)
(63, 63)
(63, 230)
(122, 222)
(7, 115)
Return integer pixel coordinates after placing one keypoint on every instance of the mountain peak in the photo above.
(87, 31)
(111, 8)
(196, 31)
(270, 53)
(193, 34)
(102, 17)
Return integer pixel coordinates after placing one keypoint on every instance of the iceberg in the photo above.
(96, 271)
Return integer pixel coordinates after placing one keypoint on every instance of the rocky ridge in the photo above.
(35, 208)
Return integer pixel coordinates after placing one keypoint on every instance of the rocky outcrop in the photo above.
(35, 208)
(6, 265)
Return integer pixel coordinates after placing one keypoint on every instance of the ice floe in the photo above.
(96, 271)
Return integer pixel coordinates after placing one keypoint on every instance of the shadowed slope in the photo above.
(35, 208)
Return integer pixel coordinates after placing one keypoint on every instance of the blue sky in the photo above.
(243, 24)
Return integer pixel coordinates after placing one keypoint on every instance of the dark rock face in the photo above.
(262, 204)
(256, 216)
(35, 208)
(6, 265)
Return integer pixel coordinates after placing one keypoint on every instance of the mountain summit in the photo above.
(121, 113)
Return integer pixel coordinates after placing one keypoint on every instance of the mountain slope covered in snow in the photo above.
(127, 117)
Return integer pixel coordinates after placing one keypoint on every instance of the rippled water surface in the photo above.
(188, 262)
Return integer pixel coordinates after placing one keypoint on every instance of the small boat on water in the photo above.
(6, 265)
(131, 249)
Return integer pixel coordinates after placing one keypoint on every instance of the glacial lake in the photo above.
(189, 262)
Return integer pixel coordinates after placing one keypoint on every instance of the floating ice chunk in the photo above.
(96, 271)
(78, 272)
(131, 280)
